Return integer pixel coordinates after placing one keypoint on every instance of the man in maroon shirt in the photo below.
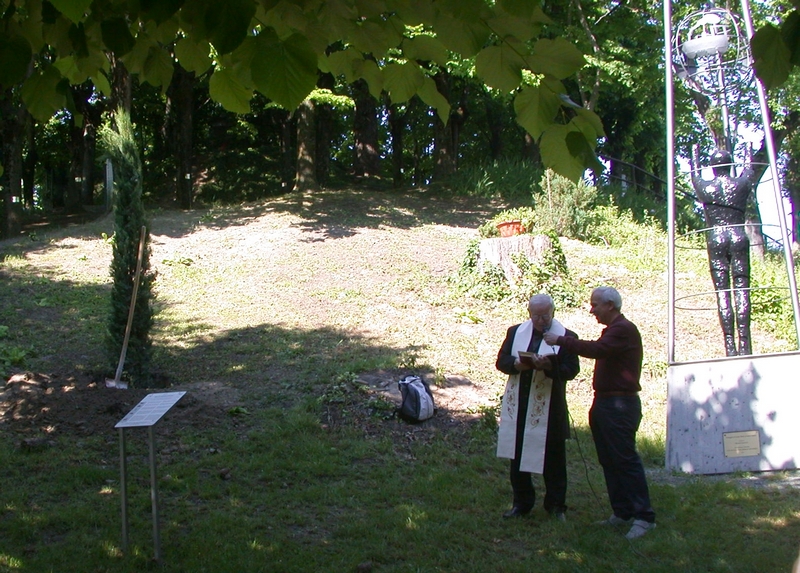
(616, 410)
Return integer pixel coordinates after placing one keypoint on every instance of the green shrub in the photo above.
(770, 304)
(564, 206)
(512, 180)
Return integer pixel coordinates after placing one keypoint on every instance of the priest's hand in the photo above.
(521, 366)
(541, 362)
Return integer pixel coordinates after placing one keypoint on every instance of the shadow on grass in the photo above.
(56, 328)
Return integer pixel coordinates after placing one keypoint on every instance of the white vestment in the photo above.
(535, 434)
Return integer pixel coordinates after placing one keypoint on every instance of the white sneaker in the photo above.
(613, 520)
(639, 528)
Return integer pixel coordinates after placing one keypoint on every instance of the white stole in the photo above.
(535, 434)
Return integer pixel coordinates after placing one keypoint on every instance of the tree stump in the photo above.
(499, 252)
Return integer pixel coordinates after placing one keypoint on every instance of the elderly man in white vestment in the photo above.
(534, 422)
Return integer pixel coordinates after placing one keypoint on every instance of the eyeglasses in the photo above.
(541, 317)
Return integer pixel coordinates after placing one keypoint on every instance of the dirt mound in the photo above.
(41, 407)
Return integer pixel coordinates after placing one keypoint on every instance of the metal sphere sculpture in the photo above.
(711, 54)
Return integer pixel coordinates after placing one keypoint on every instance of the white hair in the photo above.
(542, 299)
(609, 294)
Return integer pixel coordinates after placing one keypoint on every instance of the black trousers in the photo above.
(614, 422)
(555, 466)
(555, 479)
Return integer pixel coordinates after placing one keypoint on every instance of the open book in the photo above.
(526, 357)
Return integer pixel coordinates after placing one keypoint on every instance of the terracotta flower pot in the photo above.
(510, 228)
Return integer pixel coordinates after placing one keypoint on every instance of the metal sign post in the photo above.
(144, 415)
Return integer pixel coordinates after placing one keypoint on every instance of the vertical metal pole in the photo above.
(670, 120)
(773, 166)
(123, 487)
(154, 494)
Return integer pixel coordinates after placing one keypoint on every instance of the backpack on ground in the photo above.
(417, 400)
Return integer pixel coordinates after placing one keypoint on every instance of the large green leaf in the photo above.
(117, 36)
(68, 67)
(341, 63)
(414, 12)
(500, 67)
(377, 37)
(465, 38)
(425, 48)
(369, 71)
(193, 56)
(505, 25)
(431, 96)
(77, 36)
(472, 11)
(101, 82)
(15, 55)
(556, 153)
(136, 59)
(284, 70)
(370, 8)
(223, 23)
(158, 68)
(159, 10)
(582, 149)
(225, 88)
(520, 8)
(72, 9)
(790, 32)
(41, 95)
(402, 81)
(31, 28)
(536, 108)
(228, 23)
(558, 58)
(771, 56)
(589, 123)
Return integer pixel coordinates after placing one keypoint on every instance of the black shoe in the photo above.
(516, 511)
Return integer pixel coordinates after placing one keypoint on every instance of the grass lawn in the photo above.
(284, 322)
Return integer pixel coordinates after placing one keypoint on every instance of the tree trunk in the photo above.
(324, 131)
(365, 132)
(181, 97)
(72, 200)
(120, 85)
(287, 147)
(494, 120)
(397, 125)
(29, 165)
(444, 150)
(500, 252)
(530, 149)
(12, 128)
(306, 176)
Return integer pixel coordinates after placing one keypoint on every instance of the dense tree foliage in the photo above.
(407, 91)
(278, 49)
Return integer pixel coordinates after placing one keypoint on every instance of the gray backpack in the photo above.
(417, 400)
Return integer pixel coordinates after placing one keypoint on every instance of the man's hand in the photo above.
(550, 338)
(520, 366)
(541, 362)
